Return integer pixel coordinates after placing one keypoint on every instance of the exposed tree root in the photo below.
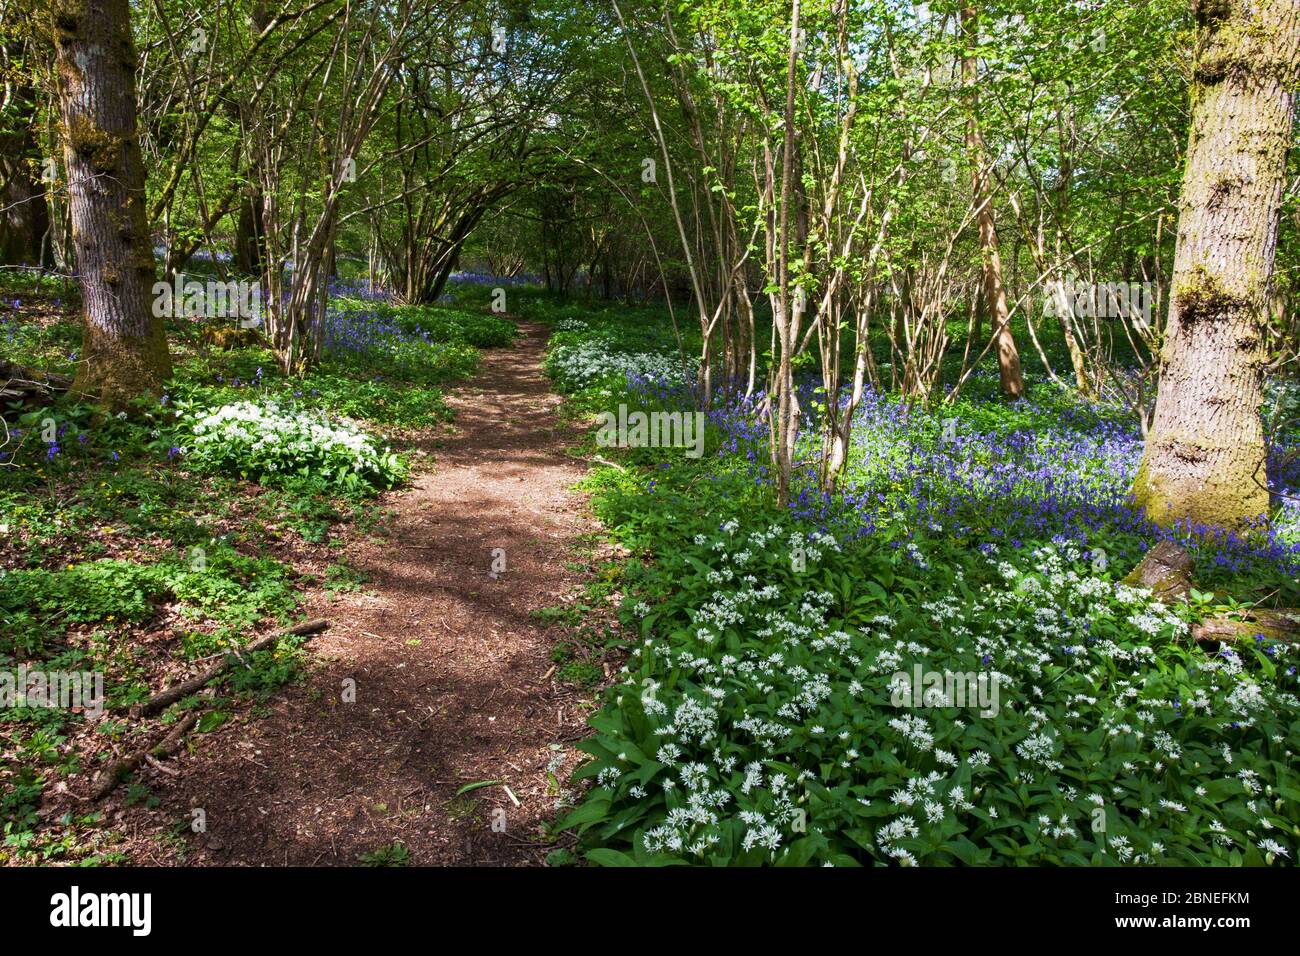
(1166, 569)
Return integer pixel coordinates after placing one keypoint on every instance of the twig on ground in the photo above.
(119, 769)
(172, 694)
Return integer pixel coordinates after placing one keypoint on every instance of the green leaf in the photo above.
(211, 720)
(475, 786)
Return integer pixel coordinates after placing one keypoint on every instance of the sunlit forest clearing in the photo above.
(515, 432)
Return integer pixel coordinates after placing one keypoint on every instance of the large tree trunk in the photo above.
(995, 294)
(123, 352)
(1205, 452)
(24, 214)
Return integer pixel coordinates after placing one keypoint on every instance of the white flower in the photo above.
(1272, 846)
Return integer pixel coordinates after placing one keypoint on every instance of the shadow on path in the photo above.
(448, 664)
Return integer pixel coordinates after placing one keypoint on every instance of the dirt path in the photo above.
(449, 667)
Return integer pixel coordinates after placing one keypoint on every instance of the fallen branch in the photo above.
(29, 385)
(1274, 625)
(195, 684)
(118, 770)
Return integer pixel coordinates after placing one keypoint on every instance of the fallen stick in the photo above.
(152, 761)
(195, 684)
(605, 461)
(115, 772)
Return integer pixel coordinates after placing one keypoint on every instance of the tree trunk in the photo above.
(1205, 453)
(1064, 315)
(1078, 361)
(250, 229)
(24, 215)
(123, 352)
(250, 234)
(995, 294)
(785, 319)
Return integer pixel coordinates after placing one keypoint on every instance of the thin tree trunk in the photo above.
(123, 352)
(785, 319)
(1205, 453)
(995, 294)
(250, 231)
(1078, 360)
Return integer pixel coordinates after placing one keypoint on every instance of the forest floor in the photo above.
(453, 669)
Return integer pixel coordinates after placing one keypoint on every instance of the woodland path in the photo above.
(453, 677)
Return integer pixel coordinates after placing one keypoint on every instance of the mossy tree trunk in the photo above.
(123, 352)
(1205, 452)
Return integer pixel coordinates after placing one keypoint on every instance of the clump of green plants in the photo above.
(215, 583)
(85, 593)
(582, 673)
(266, 671)
(341, 577)
(269, 442)
(393, 854)
(441, 324)
(586, 354)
